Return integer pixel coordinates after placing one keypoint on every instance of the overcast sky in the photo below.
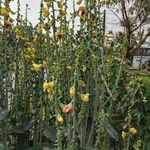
(33, 13)
(112, 22)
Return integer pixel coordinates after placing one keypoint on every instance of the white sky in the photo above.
(112, 22)
(33, 13)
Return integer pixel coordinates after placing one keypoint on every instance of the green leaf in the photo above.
(42, 146)
(50, 132)
(81, 83)
(35, 148)
(2, 146)
(22, 143)
(29, 125)
(23, 128)
(18, 130)
(112, 132)
(86, 147)
(3, 114)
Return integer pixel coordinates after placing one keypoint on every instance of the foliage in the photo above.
(63, 88)
(134, 18)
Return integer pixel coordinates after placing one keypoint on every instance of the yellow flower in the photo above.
(18, 37)
(133, 130)
(5, 12)
(60, 119)
(48, 86)
(49, 90)
(123, 134)
(62, 11)
(36, 67)
(85, 97)
(79, 2)
(39, 29)
(30, 50)
(45, 86)
(72, 91)
(60, 4)
(30, 55)
(51, 85)
(18, 32)
(35, 39)
(45, 12)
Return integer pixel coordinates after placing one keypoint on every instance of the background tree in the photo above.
(134, 17)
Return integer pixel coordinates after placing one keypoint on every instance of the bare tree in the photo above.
(134, 15)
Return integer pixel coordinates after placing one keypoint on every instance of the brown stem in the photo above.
(140, 43)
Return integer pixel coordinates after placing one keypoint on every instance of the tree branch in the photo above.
(140, 43)
(140, 24)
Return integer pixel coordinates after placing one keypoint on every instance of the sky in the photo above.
(112, 23)
(33, 12)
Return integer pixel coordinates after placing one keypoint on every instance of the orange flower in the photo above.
(68, 108)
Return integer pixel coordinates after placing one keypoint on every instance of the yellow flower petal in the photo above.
(5, 12)
(51, 85)
(45, 12)
(60, 119)
(49, 90)
(45, 86)
(48, 86)
(60, 4)
(78, 2)
(123, 134)
(85, 97)
(133, 131)
(72, 91)
(36, 67)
